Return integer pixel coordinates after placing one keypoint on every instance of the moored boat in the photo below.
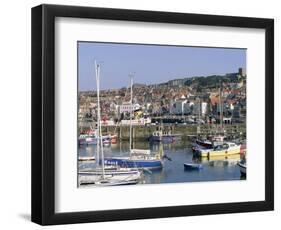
(124, 175)
(204, 143)
(91, 139)
(165, 136)
(141, 162)
(210, 142)
(138, 158)
(111, 182)
(226, 149)
(243, 168)
(87, 139)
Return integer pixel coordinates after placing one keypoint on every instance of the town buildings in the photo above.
(173, 98)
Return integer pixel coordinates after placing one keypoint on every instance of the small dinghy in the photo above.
(192, 166)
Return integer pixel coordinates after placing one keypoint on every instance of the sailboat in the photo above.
(138, 158)
(106, 175)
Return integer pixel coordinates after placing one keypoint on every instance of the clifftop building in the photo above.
(242, 72)
(176, 82)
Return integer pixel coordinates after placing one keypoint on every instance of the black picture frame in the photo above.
(43, 114)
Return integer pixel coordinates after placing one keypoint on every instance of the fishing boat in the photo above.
(165, 136)
(138, 158)
(106, 175)
(210, 142)
(204, 142)
(192, 166)
(87, 139)
(226, 149)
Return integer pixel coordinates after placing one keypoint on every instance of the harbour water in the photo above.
(214, 169)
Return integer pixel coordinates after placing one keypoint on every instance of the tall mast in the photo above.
(199, 118)
(131, 109)
(99, 117)
(221, 111)
(98, 127)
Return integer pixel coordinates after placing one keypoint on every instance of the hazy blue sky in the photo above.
(152, 63)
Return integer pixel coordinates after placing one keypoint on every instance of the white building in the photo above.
(126, 107)
(180, 107)
(202, 108)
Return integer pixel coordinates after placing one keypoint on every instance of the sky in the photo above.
(151, 64)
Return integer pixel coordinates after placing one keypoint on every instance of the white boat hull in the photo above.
(94, 177)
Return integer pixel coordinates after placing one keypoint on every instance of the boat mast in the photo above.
(199, 118)
(221, 109)
(131, 109)
(99, 117)
(97, 133)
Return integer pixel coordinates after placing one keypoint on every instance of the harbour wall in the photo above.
(186, 131)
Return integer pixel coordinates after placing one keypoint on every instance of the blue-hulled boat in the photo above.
(132, 162)
(193, 166)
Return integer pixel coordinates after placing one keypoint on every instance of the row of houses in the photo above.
(229, 108)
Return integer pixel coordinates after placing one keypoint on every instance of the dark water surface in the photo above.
(214, 169)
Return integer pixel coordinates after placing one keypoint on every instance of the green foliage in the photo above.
(212, 81)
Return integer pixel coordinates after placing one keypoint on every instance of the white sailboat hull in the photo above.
(112, 176)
